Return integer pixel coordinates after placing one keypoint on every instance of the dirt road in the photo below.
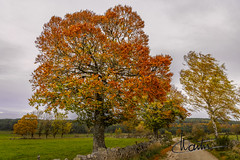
(195, 155)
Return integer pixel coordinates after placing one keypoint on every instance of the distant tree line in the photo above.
(7, 124)
(175, 128)
(205, 124)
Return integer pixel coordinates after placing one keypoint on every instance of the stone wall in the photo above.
(123, 153)
(117, 153)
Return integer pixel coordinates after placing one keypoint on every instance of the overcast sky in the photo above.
(174, 27)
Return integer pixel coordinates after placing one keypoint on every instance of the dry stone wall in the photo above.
(117, 153)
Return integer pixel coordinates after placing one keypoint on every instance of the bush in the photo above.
(224, 141)
(168, 136)
(234, 156)
(198, 132)
(236, 149)
(118, 132)
(154, 152)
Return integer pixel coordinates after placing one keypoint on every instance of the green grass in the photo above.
(232, 137)
(48, 149)
(226, 154)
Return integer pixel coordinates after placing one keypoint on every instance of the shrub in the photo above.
(118, 132)
(198, 132)
(168, 136)
(224, 141)
(236, 149)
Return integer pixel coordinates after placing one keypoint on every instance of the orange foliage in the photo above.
(91, 62)
(26, 125)
(163, 153)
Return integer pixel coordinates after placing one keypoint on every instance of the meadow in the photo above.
(13, 147)
(231, 137)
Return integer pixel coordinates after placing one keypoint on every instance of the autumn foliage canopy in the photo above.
(90, 62)
(27, 125)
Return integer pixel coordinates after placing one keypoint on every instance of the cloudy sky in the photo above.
(174, 27)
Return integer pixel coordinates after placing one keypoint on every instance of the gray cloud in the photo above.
(10, 55)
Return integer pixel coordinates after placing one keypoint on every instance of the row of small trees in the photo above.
(43, 123)
(59, 125)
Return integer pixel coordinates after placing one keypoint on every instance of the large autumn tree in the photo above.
(99, 67)
(206, 83)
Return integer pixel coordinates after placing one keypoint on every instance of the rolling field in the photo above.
(13, 148)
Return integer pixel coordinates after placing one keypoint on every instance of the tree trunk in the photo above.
(47, 133)
(98, 132)
(98, 136)
(214, 127)
(98, 127)
(155, 131)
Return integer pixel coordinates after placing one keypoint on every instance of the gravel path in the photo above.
(195, 155)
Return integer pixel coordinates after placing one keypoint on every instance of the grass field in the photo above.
(226, 154)
(13, 148)
(232, 137)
